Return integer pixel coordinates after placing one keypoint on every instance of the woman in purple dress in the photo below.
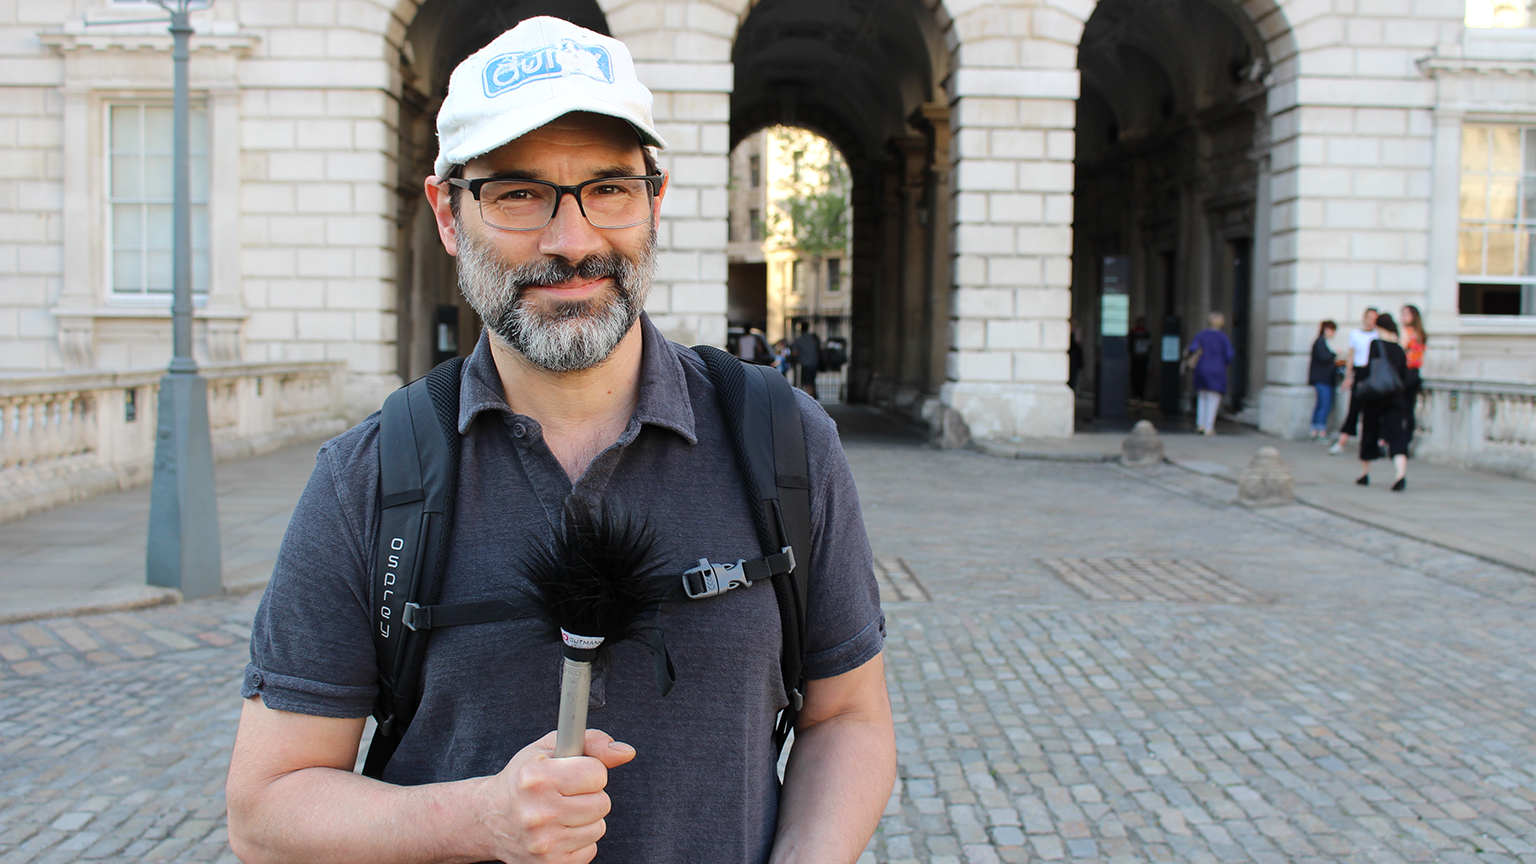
(1210, 353)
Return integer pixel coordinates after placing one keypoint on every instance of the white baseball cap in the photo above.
(539, 70)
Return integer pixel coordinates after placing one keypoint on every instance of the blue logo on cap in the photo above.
(566, 57)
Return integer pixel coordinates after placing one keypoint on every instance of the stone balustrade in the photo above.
(1489, 425)
(70, 435)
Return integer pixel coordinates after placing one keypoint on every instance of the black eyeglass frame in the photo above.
(653, 183)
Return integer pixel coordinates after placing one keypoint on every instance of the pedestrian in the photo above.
(783, 357)
(570, 391)
(1074, 355)
(1141, 357)
(1323, 375)
(1360, 340)
(752, 346)
(808, 356)
(1384, 422)
(1414, 340)
(1210, 353)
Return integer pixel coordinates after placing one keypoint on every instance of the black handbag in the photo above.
(1382, 383)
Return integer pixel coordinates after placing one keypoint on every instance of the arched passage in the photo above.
(1172, 204)
(433, 320)
(863, 74)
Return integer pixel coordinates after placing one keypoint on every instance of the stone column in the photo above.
(934, 120)
(1442, 301)
(1285, 401)
(1263, 203)
(912, 324)
(1014, 136)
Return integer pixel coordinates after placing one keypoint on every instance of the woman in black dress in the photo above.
(1386, 422)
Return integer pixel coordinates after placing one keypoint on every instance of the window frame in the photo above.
(1522, 227)
(145, 297)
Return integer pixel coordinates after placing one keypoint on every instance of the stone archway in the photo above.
(864, 76)
(1174, 209)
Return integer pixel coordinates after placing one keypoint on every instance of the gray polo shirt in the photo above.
(702, 786)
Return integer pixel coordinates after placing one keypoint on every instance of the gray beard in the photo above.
(571, 336)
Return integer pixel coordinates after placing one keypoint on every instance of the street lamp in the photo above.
(184, 550)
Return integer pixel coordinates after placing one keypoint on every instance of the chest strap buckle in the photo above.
(707, 580)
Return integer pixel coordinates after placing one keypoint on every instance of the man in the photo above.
(1141, 356)
(1360, 340)
(808, 355)
(547, 195)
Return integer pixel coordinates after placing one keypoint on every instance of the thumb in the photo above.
(601, 746)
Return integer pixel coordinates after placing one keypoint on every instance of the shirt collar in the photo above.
(663, 401)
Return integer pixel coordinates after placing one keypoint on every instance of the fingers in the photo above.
(601, 746)
(542, 771)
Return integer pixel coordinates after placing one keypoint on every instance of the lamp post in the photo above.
(184, 550)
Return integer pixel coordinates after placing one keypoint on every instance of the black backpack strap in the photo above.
(765, 425)
(418, 473)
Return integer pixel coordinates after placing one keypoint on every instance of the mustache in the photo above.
(550, 271)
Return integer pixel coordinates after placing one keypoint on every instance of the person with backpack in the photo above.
(398, 591)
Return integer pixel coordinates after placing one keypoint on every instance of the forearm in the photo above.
(836, 785)
(330, 815)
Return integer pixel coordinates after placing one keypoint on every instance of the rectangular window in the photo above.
(834, 275)
(1496, 247)
(800, 271)
(754, 224)
(756, 170)
(141, 198)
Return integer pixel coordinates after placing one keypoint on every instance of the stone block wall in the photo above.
(317, 187)
(31, 189)
(682, 52)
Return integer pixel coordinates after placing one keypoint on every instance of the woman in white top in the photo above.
(1360, 354)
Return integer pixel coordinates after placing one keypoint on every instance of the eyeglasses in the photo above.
(528, 205)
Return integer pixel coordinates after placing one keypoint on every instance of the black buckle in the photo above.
(408, 615)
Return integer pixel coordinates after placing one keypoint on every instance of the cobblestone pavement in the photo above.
(1368, 698)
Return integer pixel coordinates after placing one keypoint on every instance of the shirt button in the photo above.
(519, 430)
(256, 680)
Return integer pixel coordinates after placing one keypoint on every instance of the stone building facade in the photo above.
(1316, 143)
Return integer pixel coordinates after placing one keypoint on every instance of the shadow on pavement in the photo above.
(865, 425)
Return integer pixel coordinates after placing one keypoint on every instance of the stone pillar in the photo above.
(864, 286)
(912, 324)
(1442, 301)
(933, 119)
(1013, 154)
(1285, 401)
(885, 305)
(1258, 311)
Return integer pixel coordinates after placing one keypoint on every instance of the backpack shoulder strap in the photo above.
(765, 425)
(418, 473)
